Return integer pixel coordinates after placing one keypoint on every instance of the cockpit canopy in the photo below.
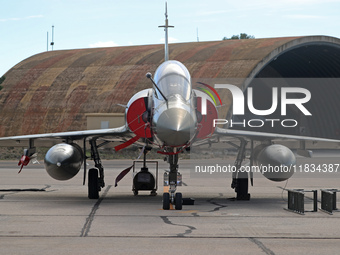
(173, 78)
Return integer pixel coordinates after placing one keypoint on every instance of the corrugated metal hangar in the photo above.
(55, 91)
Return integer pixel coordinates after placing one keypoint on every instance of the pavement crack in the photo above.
(218, 205)
(23, 190)
(87, 226)
(261, 246)
(14, 191)
(187, 232)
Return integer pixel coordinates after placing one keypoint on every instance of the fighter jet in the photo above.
(170, 116)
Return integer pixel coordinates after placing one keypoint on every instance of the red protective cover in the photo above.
(206, 127)
(134, 118)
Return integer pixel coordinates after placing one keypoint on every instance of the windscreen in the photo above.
(172, 78)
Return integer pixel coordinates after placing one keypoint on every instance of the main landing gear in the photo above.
(240, 178)
(96, 175)
(172, 197)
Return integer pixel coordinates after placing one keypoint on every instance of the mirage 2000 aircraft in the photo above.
(172, 117)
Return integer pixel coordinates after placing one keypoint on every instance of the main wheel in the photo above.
(178, 201)
(93, 187)
(166, 201)
(242, 189)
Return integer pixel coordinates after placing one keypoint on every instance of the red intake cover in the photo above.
(206, 127)
(134, 118)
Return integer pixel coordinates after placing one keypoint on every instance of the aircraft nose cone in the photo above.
(175, 127)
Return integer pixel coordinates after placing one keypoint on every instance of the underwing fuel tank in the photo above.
(63, 161)
(276, 162)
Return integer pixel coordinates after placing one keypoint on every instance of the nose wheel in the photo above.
(174, 199)
(178, 201)
(172, 178)
(166, 201)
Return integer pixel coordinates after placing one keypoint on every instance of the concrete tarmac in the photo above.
(39, 215)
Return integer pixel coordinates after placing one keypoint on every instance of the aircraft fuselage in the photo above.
(174, 121)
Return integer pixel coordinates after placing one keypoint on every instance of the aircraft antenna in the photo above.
(166, 26)
(52, 43)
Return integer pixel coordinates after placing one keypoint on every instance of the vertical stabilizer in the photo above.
(166, 26)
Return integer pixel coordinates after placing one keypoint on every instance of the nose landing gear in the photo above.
(172, 198)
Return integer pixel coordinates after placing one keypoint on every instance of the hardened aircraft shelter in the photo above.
(55, 91)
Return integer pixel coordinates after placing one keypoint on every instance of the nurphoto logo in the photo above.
(238, 106)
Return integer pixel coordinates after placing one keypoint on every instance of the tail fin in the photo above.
(166, 26)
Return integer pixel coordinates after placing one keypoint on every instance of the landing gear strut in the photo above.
(96, 175)
(240, 178)
(172, 197)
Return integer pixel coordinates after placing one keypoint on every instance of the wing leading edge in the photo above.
(122, 132)
(261, 136)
